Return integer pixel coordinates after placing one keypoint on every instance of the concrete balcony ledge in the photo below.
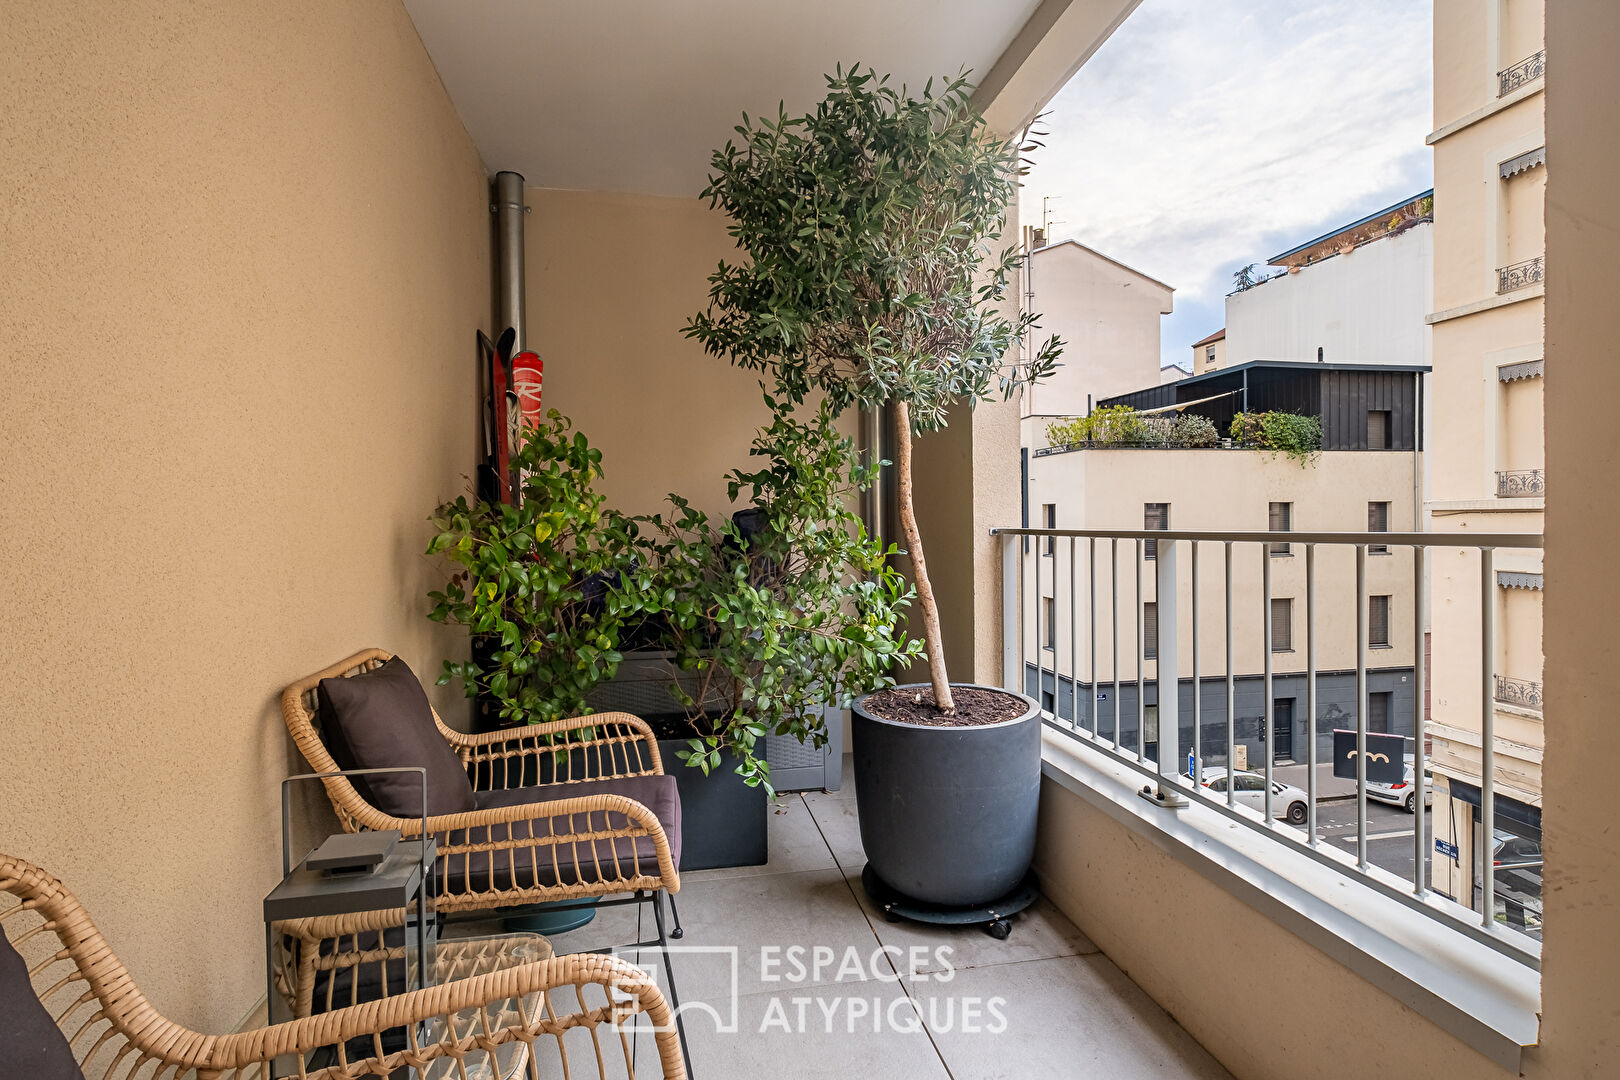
(1487, 1000)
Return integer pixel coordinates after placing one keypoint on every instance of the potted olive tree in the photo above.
(870, 281)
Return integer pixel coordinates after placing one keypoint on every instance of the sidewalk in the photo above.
(1329, 788)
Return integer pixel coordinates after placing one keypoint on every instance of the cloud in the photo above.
(1207, 134)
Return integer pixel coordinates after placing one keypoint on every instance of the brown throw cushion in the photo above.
(380, 719)
(31, 1044)
(528, 866)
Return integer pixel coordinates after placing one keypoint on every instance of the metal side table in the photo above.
(404, 880)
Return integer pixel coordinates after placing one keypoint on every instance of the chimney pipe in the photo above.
(509, 295)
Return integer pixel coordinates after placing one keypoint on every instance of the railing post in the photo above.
(1167, 679)
(1011, 660)
(1487, 739)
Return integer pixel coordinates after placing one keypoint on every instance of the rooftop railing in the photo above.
(1092, 599)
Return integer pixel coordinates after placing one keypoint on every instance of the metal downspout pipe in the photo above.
(509, 209)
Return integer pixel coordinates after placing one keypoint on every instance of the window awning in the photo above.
(1524, 162)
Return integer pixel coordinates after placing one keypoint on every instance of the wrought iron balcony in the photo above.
(1520, 275)
(1525, 71)
(1521, 483)
(1521, 692)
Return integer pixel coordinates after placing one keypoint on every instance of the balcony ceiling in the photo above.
(634, 95)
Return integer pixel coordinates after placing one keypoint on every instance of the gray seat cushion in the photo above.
(525, 867)
(31, 1044)
(382, 719)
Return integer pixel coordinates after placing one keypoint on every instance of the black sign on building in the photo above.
(1386, 756)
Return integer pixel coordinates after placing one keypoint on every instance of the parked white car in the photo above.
(1287, 801)
(1404, 794)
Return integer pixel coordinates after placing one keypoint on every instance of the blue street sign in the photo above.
(1192, 765)
(1445, 847)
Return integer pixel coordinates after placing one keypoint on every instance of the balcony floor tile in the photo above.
(1068, 1010)
(796, 845)
(1066, 1016)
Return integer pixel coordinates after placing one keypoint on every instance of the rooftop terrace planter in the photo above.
(948, 813)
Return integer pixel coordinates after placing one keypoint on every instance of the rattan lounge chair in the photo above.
(566, 839)
(578, 836)
(115, 1033)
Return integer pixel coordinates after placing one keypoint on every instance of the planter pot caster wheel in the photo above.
(994, 918)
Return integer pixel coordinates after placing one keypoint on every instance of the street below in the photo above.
(1389, 833)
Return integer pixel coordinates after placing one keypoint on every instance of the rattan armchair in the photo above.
(558, 849)
(448, 1030)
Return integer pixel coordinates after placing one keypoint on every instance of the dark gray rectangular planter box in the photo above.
(641, 686)
(723, 820)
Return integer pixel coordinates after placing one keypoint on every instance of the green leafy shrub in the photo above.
(1300, 437)
(1190, 429)
(1110, 424)
(547, 587)
(1121, 425)
(799, 612)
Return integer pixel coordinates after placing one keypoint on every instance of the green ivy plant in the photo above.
(1300, 437)
(869, 277)
(779, 620)
(548, 587)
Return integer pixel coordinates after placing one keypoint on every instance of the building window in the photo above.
(1378, 429)
(1150, 630)
(1378, 711)
(1209, 356)
(1049, 701)
(1282, 625)
(1049, 521)
(1378, 622)
(1048, 623)
(1378, 521)
(1155, 517)
(1281, 520)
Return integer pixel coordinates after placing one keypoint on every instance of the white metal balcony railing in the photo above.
(1072, 567)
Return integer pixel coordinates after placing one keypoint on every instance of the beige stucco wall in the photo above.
(1108, 316)
(246, 254)
(1201, 356)
(1226, 491)
(1481, 424)
(612, 279)
(1581, 951)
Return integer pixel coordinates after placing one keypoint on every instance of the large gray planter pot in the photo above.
(948, 813)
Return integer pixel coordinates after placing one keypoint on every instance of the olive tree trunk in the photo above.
(919, 566)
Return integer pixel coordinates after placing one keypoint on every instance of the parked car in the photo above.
(1287, 801)
(1404, 794)
(1510, 852)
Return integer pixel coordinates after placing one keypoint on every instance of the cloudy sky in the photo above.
(1208, 134)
